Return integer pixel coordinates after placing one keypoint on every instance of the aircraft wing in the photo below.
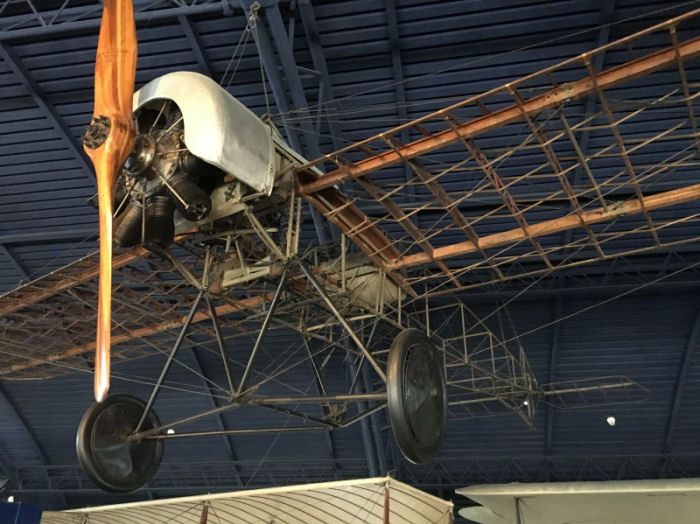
(542, 173)
(584, 161)
(47, 326)
(605, 502)
(371, 500)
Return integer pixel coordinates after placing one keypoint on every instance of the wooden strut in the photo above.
(556, 225)
(387, 511)
(204, 517)
(337, 208)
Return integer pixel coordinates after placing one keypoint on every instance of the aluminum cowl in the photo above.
(218, 128)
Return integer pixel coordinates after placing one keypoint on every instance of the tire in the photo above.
(416, 396)
(110, 460)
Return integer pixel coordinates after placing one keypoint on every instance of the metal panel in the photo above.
(213, 123)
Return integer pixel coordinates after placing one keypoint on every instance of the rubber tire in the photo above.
(420, 441)
(132, 464)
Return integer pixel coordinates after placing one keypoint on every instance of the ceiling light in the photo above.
(171, 431)
(610, 421)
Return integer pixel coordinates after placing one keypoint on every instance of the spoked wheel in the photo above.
(109, 459)
(416, 396)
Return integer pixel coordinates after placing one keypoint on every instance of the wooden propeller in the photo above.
(108, 141)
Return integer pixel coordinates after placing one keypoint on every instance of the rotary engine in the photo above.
(199, 156)
(160, 178)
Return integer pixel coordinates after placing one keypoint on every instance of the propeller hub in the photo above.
(151, 162)
(97, 132)
(141, 156)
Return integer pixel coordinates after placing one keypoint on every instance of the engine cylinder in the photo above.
(208, 176)
(160, 228)
(127, 226)
(191, 200)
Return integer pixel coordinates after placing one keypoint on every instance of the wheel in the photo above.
(416, 396)
(109, 459)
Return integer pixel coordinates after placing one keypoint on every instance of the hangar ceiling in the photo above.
(344, 71)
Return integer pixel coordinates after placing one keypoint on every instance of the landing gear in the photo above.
(416, 396)
(120, 441)
(111, 460)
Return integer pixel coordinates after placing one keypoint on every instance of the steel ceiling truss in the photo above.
(10, 408)
(8, 471)
(325, 103)
(23, 18)
(397, 71)
(176, 477)
(553, 360)
(195, 43)
(646, 149)
(606, 17)
(34, 91)
(19, 268)
(444, 473)
(688, 355)
(460, 471)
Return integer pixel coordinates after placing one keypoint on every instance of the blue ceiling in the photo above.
(343, 71)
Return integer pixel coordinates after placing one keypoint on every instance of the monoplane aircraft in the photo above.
(204, 203)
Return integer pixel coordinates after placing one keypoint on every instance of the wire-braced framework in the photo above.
(573, 187)
(561, 168)
(150, 302)
(156, 297)
(487, 371)
(453, 471)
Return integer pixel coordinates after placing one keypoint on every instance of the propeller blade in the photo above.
(108, 141)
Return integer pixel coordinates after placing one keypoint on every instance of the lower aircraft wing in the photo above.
(363, 500)
(615, 502)
(47, 326)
